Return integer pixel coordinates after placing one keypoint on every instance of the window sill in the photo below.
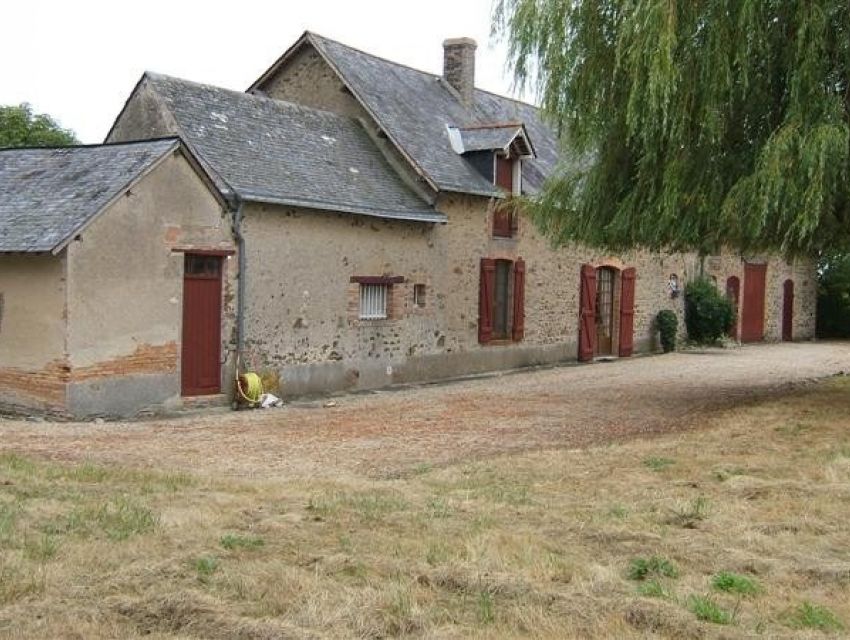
(499, 342)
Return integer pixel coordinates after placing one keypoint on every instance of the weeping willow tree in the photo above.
(691, 124)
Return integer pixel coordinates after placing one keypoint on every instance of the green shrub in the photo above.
(708, 313)
(812, 616)
(833, 316)
(657, 464)
(654, 589)
(735, 583)
(706, 609)
(231, 541)
(668, 325)
(642, 568)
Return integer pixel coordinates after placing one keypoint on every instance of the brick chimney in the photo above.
(459, 66)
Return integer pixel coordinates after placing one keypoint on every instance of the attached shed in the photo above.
(116, 283)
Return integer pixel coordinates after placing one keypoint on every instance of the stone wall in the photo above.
(302, 305)
(125, 287)
(33, 368)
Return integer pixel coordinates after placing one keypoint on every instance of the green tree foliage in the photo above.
(708, 314)
(691, 123)
(668, 325)
(20, 127)
(834, 297)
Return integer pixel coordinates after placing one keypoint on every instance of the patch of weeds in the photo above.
(346, 544)
(840, 453)
(735, 583)
(812, 616)
(438, 507)
(705, 609)
(437, 553)
(792, 428)
(206, 566)
(373, 505)
(658, 464)
(122, 518)
(511, 494)
(643, 568)
(368, 505)
(689, 515)
(722, 475)
(231, 541)
(8, 517)
(654, 589)
(618, 511)
(42, 548)
(175, 481)
(422, 468)
(17, 464)
(325, 505)
(86, 472)
(353, 570)
(16, 583)
(485, 607)
(401, 617)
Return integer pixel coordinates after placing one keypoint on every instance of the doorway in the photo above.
(788, 311)
(605, 311)
(201, 344)
(733, 294)
(752, 318)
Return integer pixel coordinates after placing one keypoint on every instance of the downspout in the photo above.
(243, 290)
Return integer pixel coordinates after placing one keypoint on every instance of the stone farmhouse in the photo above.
(345, 222)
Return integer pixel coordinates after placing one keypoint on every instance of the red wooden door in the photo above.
(519, 300)
(752, 318)
(587, 314)
(201, 349)
(733, 293)
(788, 311)
(627, 312)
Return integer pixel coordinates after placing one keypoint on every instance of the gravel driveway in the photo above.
(390, 432)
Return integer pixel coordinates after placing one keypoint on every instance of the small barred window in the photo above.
(373, 301)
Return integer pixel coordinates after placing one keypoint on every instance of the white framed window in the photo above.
(373, 301)
(419, 295)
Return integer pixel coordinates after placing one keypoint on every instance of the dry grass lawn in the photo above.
(736, 529)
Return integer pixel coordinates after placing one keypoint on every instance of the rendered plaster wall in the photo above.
(125, 288)
(302, 308)
(32, 333)
(143, 117)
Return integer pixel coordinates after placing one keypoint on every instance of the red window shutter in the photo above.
(502, 221)
(587, 314)
(627, 312)
(505, 173)
(485, 300)
(519, 300)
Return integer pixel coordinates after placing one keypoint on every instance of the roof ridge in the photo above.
(93, 145)
(436, 76)
(245, 94)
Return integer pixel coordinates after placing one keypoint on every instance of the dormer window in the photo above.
(508, 173)
(496, 151)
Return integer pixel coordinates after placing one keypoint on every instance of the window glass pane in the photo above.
(200, 265)
(373, 301)
(501, 299)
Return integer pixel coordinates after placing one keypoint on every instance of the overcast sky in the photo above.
(78, 60)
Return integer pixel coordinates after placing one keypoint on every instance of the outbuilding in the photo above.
(116, 283)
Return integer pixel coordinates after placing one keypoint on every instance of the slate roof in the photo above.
(274, 151)
(415, 108)
(486, 138)
(48, 195)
